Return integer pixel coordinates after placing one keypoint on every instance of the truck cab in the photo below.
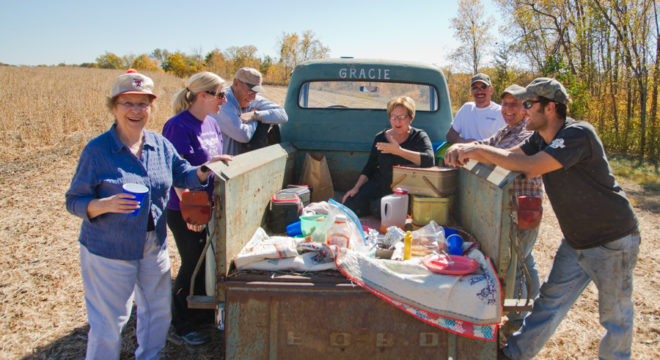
(335, 108)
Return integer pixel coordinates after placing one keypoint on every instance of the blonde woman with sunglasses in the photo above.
(197, 139)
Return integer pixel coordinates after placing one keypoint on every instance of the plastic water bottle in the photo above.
(394, 209)
(338, 233)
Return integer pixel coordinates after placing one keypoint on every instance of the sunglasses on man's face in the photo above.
(249, 88)
(482, 87)
(527, 104)
(220, 95)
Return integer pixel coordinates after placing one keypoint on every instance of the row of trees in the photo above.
(294, 49)
(606, 52)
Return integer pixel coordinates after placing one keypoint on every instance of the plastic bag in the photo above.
(393, 235)
(261, 247)
(357, 240)
(428, 239)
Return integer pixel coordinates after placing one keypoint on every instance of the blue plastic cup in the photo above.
(455, 243)
(137, 190)
(294, 229)
(449, 231)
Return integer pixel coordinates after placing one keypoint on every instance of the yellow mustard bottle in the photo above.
(407, 244)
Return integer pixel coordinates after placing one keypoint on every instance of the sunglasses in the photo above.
(220, 95)
(527, 104)
(249, 87)
(482, 87)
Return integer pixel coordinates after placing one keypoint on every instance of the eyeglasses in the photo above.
(220, 95)
(527, 104)
(482, 87)
(399, 117)
(139, 106)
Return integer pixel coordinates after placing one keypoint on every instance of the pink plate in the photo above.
(462, 265)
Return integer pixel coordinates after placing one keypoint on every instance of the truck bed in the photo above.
(292, 315)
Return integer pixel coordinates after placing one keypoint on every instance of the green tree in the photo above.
(160, 54)
(602, 50)
(127, 61)
(109, 61)
(295, 49)
(180, 65)
(503, 76)
(472, 29)
(289, 56)
(244, 56)
(266, 63)
(215, 62)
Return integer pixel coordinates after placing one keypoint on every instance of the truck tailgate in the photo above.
(327, 317)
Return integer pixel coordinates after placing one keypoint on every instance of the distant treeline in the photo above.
(293, 50)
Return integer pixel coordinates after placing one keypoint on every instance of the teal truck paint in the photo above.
(344, 130)
(335, 108)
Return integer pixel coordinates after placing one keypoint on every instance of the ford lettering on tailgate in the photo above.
(343, 339)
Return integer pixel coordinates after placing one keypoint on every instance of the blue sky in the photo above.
(72, 32)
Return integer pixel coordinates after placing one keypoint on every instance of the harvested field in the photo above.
(48, 114)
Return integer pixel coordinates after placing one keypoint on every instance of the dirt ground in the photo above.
(42, 312)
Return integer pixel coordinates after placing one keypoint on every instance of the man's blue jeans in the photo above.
(610, 267)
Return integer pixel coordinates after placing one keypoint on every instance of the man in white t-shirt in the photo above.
(478, 119)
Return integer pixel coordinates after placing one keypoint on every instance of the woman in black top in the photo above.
(400, 145)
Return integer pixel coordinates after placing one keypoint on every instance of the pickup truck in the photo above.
(335, 108)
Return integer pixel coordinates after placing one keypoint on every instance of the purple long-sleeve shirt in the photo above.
(196, 141)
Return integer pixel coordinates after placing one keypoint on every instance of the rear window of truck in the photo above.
(364, 95)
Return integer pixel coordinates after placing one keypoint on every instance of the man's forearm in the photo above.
(531, 165)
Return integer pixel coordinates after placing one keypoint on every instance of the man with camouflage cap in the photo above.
(601, 236)
(514, 133)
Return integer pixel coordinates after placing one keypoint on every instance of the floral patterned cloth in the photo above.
(467, 305)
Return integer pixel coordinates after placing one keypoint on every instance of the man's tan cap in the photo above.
(548, 88)
(251, 77)
(512, 89)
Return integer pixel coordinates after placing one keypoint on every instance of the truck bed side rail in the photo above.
(242, 194)
(484, 206)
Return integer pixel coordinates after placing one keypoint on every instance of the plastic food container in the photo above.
(309, 223)
(426, 208)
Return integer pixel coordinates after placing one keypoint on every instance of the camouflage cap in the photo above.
(481, 77)
(250, 77)
(548, 88)
(512, 90)
(132, 83)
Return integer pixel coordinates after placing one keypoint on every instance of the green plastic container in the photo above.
(310, 222)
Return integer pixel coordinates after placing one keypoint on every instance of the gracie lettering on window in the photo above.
(364, 73)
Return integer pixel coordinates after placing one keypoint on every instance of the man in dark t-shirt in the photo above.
(601, 238)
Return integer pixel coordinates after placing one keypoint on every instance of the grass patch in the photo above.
(646, 175)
